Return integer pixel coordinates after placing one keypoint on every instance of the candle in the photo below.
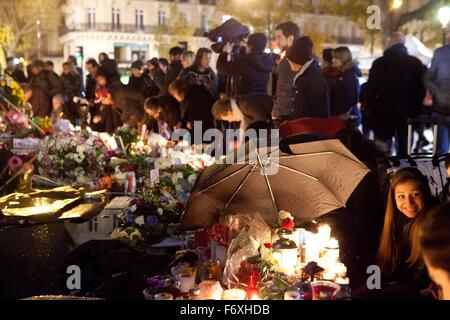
(253, 294)
(312, 248)
(211, 290)
(340, 269)
(329, 276)
(234, 294)
(324, 233)
(331, 254)
(163, 296)
(292, 295)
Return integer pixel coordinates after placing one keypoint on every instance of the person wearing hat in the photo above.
(140, 81)
(251, 71)
(311, 90)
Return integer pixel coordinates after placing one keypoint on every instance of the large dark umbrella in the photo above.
(315, 179)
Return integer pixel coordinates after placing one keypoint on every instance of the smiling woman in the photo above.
(408, 201)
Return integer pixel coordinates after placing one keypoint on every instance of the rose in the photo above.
(288, 224)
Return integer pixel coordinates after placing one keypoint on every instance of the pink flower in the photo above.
(15, 163)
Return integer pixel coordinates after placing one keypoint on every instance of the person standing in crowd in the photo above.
(187, 59)
(175, 66)
(74, 60)
(92, 69)
(44, 86)
(139, 81)
(70, 80)
(109, 69)
(247, 109)
(437, 81)
(107, 118)
(395, 92)
(195, 104)
(435, 247)
(344, 95)
(285, 36)
(201, 73)
(14, 72)
(51, 67)
(399, 255)
(252, 71)
(311, 91)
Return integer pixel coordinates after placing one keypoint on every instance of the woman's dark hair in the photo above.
(175, 51)
(104, 55)
(92, 62)
(199, 56)
(327, 55)
(289, 28)
(152, 103)
(388, 251)
(435, 237)
(179, 87)
(164, 62)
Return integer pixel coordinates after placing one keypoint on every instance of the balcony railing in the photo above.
(348, 40)
(123, 28)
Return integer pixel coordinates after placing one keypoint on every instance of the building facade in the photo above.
(128, 30)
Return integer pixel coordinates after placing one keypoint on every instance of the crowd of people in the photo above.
(255, 89)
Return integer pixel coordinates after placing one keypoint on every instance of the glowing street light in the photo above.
(444, 19)
(444, 16)
(396, 4)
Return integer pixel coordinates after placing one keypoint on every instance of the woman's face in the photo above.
(409, 198)
(336, 63)
(206, 60)
(439, 277)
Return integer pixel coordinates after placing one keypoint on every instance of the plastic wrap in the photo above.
(247, 233)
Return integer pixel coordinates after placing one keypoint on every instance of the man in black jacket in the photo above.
(395, 92)
(311, 91)
(251, 71)
(285, 35)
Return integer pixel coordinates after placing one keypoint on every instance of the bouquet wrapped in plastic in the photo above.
(248, 232)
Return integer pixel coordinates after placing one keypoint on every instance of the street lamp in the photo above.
(444, 19)
(396, 4)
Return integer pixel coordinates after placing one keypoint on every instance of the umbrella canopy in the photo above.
(315, 179)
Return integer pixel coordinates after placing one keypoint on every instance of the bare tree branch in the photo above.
(418, 13)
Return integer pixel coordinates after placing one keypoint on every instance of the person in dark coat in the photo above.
(195, 104)
(74, 60)
(14, 72)
(246, 109)
(141, 82)
(92, 69)
(109, 68)
(311, 91)
(252, 71)
(285, 35)
(395, 92)
(175, 66)
(107, 118)
(201, 73)
(51, 67)
(70, 80)
(165, 110)
(44, 86)
(344, 95)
